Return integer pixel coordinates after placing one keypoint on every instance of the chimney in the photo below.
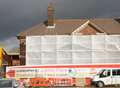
(50, 15)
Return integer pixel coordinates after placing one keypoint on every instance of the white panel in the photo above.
(99, 60)
(31, 40)
(48, 39)
(33, 55)
(113, 61)
(31, 45)
(82, 61)
(48, 47)
(66, 61)
(48, 43)
(113, 38)
(33, 48)
(64, 43)
(64, 57)
(82, 54)
(81, 43)
(98, 56)
(111, 47)
(48, 57)
(82, 57)
(64, 47)
(113, 42)
(34, 61)
(63, 54)
(113, 55)
(98, 42)
(64, 39)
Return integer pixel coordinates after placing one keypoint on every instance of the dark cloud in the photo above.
(9, 43)
(17, 15)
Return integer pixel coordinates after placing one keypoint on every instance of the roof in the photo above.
(14, 51)
(67, 26)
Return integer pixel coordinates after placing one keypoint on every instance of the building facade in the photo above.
(67, 27)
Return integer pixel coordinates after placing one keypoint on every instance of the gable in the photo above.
(89, 31)
(88, 28)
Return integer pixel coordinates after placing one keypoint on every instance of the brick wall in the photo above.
(89, 31)
(22, 44)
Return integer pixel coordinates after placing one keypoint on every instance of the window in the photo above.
(105, 73)
(116, 72)
(108, 73)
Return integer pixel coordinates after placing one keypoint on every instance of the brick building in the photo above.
(14, 59)
(67, 27)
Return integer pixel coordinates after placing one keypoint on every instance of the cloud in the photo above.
(17, 15)
(9, 44)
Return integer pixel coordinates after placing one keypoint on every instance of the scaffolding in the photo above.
(72, 49)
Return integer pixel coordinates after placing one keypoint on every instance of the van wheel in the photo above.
(100, 84)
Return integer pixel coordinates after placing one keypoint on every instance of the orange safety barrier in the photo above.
(51, 82)
(88, 81)
(39, 82)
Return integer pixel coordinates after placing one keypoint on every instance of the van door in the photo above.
(105, 76)
(116, 76)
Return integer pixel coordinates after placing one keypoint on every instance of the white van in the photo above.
(107, 77)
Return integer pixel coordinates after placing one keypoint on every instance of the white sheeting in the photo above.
(62, 49)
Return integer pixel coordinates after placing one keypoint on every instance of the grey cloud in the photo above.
(17, 15)
(9, 43)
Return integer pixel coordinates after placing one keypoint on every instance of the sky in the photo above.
(18, 15)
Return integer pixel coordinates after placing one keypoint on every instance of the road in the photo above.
(83, 87)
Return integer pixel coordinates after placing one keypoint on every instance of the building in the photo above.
(67, 27)
(13, 55)
(14, 59)
(9, 58)
(4, 60)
